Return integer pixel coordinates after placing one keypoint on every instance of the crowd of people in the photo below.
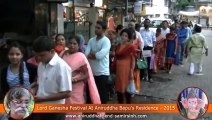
(65, 71)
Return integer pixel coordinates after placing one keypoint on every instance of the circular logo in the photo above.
(192, 103)
(19, 103)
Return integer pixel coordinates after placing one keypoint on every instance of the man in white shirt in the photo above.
(149, 39)
(97, 52)
(165, 28)
(54, 77)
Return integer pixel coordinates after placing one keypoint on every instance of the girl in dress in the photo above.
(171, 49)
(18, 72)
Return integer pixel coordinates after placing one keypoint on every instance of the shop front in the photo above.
(205, 16)
(80, 17)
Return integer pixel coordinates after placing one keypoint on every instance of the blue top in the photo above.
(182, 34)
(13, 78)
(170, 48)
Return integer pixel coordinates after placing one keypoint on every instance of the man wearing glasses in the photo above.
(17, 101)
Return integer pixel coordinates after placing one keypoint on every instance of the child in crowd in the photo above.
(18, 72)
(54, 77)
(171, 48)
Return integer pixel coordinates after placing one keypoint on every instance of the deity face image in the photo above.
(193, 106)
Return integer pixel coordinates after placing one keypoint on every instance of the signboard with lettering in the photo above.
(138, 8)
(83, 2)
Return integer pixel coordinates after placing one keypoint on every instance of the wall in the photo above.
(16, 16)
(206, 12)
(157, 8)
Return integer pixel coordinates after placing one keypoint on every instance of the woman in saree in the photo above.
(111, 90)
(125, 64)
(137, 44)
(119, 28)
(81, 75)
(159, 51)
(171, 49)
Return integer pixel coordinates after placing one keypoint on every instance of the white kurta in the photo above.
(196, 45)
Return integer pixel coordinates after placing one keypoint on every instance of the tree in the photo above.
(192, 2)
(181, 4)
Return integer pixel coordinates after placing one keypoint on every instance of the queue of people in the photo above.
(65, 72)
(173, 43)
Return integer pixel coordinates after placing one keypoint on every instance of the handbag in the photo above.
(131, 87)
(141, 63)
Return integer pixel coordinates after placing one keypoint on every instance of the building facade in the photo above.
(157, 8)
(205, 12)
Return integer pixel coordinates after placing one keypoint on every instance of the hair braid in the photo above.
(21, 72)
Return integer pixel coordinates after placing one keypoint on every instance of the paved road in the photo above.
(164, 90)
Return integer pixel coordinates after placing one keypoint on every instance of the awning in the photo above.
(194, 13)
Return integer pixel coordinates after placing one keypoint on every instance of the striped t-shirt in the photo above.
(13, 78)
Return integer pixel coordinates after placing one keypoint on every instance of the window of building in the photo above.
(166, 3)
(151, 16)
(157, 15)
(148, 2)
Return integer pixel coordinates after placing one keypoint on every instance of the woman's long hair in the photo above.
(21, 68)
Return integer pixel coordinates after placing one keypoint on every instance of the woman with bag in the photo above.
(125, 64)
(137, 44)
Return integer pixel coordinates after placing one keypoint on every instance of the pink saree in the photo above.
(75, 61)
